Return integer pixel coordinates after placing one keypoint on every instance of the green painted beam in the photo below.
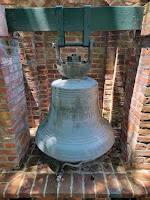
(102, 18)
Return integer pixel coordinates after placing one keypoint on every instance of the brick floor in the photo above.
(107, 177)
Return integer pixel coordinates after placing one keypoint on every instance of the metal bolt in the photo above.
(54, 45)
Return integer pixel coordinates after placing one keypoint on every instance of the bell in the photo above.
(74, 130)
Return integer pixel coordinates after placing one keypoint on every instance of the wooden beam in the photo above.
(102, 18)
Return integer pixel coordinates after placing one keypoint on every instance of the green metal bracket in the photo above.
(86, 27)
(60, 26)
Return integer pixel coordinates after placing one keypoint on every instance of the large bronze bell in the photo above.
(74, 129)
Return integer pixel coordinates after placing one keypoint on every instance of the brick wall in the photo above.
(14, 134)
(116, 63)
(136, 123)
(28, 52)
(3, 23)
(14, 131)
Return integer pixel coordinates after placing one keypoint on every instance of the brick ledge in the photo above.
(97, 185)
(109, 176)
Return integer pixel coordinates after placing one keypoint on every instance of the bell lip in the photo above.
(75, 160)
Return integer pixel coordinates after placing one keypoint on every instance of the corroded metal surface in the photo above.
(74, 129)
(73, 68)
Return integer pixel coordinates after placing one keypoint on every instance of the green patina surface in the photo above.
(102, 18)
(84, 19)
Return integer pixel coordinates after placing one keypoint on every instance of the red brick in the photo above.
(23, 140)
(145, 116)
(2, 158)
(10, 145)
(8, 2)
(5, 90)
(2, 187)
(147, 51)
(8, 152)
(39, 50)
(138, 159)
(29, 51)
(39, 44)
(38, 189)
(64, 191)
(137, 122)
(8, 166)
(143, 50)
(147, 18)
(69, 50)
(146, 72)
(4, 115)
(24, 2)
(38, 38)
(51, 190)
(26, 185)
(112, 185)
(12, 158)
(29, 57)
(142, 152)
(146, 108)
(136, 186)
(140, 146)
(27, 39)
(77, 186)
(13, 186)
(7, 177)
(124, 185)
(145, 30)
(2, 50)
(141, 166)
(147, 160)
(144, 138)
(89, 186)
(146, 91)
(147, 185)
(142, 176)
(144, 131)
(101, 191)
(145, 61)
(40, 56)
(146, 100)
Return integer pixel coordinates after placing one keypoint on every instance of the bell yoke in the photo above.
(74, 130)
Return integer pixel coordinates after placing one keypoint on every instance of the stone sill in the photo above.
(108, 176)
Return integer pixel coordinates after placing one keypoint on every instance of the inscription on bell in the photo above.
(77, 108)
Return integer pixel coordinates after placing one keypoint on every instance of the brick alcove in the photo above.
(120, 65)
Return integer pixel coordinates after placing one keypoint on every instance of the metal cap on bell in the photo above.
(74, 129)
